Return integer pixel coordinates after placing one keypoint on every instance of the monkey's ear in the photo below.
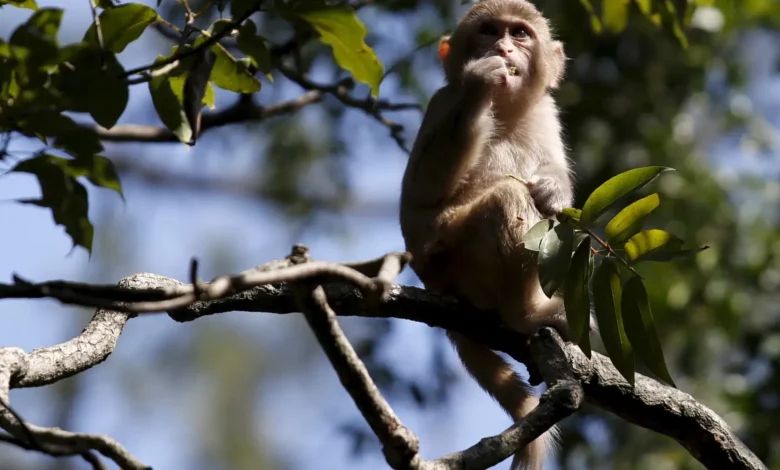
(444, 48)
(557, 65)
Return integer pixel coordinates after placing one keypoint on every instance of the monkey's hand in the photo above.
(487, 73)
(547, 195)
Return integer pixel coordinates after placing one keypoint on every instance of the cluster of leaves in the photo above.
(41, 81)
(675, 14)
(566, 258)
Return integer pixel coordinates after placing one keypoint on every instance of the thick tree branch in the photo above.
(52, 441)
(649, 404)
(365, 293)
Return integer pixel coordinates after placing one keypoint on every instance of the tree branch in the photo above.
(243, 111)
(364, 289)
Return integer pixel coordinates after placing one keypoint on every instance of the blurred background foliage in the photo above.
(634, 96)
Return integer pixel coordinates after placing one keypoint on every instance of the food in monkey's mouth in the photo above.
(512, 70)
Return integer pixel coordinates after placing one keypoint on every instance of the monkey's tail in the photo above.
(497, 377)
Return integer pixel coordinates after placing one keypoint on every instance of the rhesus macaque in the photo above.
(462, 218)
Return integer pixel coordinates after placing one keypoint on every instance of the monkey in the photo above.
(461, 217)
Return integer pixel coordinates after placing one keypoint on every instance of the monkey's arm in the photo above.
(450, 138)
(453, 133)
(551, 187)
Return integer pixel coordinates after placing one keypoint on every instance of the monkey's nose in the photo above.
(503, 52)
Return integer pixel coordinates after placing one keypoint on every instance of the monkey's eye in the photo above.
(488, 29)
(520, 32)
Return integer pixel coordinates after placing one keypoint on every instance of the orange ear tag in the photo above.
(444, 49)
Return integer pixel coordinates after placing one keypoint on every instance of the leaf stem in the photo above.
(563, 219)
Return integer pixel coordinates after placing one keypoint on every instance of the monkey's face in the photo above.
(510, 38)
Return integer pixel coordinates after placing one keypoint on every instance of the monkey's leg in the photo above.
(497, 377)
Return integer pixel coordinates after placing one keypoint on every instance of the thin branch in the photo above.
(558, 402)
(89, 457)
(98, 28)
(229, 27)
(341, 92)
(243, 111)
(399, 444)
(52, 441)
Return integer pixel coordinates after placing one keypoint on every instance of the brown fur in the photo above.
(461, 217)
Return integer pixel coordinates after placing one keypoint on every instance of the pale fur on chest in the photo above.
(535, 141)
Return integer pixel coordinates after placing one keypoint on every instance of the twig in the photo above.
(341, 92)
(243, 111)
(195, 50)
(98, 28)
(399, 444)
(89, 457)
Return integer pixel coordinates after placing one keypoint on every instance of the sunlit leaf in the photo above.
(607, 300)
(533, 237)
(572, 213)
(656, 245)
(615, 14)
(29, 4)
(576, 295)
(640, 329)
(645, 6)
(595, 23)
(603, 197)
(554, 255)
(229, 73)
(628, 222)
(121, 25)
(341, 29)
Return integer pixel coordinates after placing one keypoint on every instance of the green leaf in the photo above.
(65, 196)
(36, 40)
(29, 4)
(640, 329)
(572, 213)
(615, 14)
(554, 254)
(98, 169)
(603, 197)
(628, 222)
(607, 299)
(576, 295)
(533, 237)
(91, 82)
(342, 30)
(649, 244)
(254, 47)
(166, 96)
(230, 74)
(69, 136)
(645, 6)
(121, 25)
(595, 23)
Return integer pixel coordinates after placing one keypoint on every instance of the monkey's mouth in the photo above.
(512, 70)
